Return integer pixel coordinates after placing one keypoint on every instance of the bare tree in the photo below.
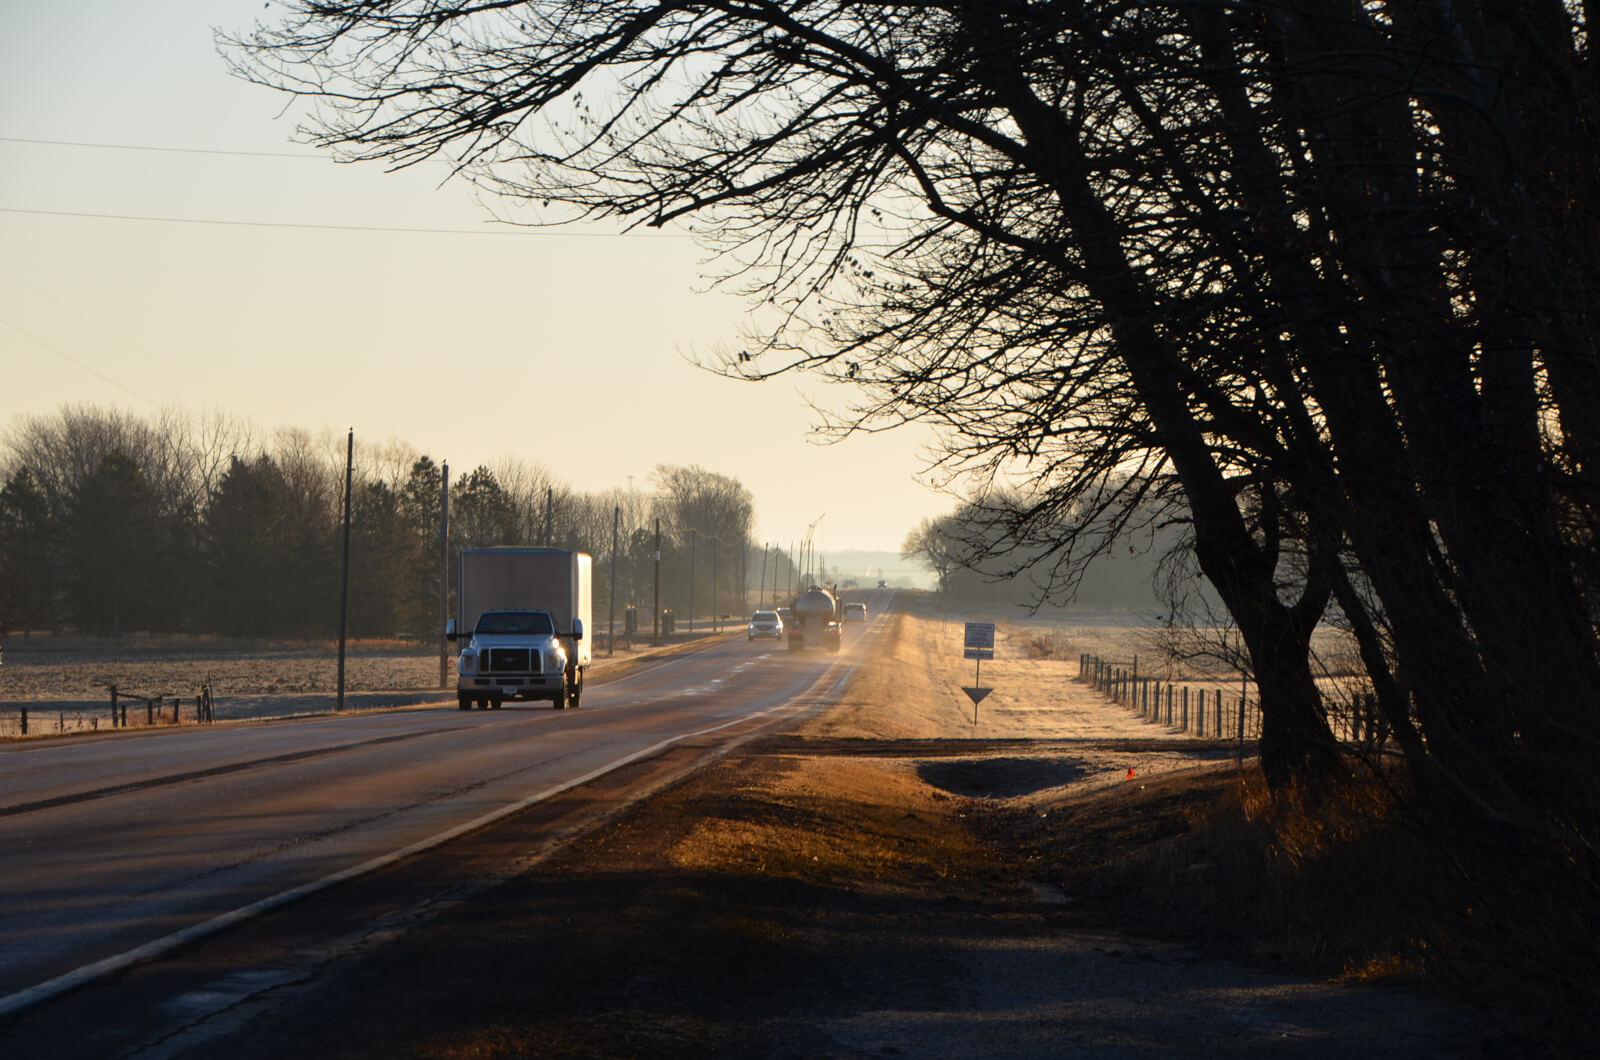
(1319, 277)
(1187, 251)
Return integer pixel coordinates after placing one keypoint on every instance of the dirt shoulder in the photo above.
(859, 886)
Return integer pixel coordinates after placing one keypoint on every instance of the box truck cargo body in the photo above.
(512, 651)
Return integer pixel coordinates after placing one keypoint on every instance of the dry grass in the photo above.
(1353, 885)
(1320, 885)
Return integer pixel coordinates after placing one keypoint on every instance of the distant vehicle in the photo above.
(816, 622)
(522, 613)
(883, 583)
(765, 624)
(858, 612)
(787, 614)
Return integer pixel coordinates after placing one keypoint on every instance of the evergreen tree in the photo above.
(111, 540)
(419, 513)
(380, 546)
(28, 550)
(244, 536)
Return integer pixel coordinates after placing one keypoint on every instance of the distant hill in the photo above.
(867, 567)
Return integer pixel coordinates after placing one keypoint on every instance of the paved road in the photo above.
(120, 848)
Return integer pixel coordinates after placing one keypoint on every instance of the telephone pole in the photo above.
(344, 580)
(444, 571)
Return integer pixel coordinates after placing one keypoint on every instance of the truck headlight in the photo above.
(467, 662)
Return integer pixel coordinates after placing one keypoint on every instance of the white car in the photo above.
(855, 612)
(765, 624)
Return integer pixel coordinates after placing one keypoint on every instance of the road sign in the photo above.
(979, 641)
(976, 694)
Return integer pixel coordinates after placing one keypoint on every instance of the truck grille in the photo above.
(511, 661)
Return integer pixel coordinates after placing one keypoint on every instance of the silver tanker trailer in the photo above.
(816, 620)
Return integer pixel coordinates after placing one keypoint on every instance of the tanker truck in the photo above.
(816, 620)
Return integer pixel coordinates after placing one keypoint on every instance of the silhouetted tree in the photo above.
(481, 512)
(380, 547)
(419, 508)
(110, 540)
(1318, 279)
(28, 544)
(1306, 272)
(245, 545)
(720, 511)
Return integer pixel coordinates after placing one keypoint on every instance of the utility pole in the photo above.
(691, 580)
(761, 602)
(611, 635)
(344, 581)
(655, 610)
(444, 571)
(716, 623)
(808, 548)
(549, 512)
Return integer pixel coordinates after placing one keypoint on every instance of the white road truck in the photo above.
(522, 613)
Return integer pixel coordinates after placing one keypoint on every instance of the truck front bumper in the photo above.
(510, 686)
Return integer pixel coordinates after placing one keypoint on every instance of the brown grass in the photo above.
(1320, 886)
(1354, 885)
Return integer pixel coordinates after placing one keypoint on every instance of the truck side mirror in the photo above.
(577, 629)
(450, 630)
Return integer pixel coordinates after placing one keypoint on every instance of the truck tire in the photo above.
(463, 701)
(559, 700)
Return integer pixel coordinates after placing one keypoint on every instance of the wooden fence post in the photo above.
(113, 706)
(24, 719)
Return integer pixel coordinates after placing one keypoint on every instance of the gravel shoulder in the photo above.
(854, 888)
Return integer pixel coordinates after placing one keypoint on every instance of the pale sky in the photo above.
(569, 349)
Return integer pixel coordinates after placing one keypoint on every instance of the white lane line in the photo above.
(120, 962)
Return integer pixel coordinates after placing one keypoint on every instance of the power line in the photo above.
(513, 230)
(170, 150)
(68, 357)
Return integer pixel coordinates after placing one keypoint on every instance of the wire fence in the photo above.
(123, 710)
(1212, 712)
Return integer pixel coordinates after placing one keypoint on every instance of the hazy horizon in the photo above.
(167, 245)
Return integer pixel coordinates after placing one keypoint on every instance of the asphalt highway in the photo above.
(122, 848)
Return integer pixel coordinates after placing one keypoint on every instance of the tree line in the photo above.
(112, 523)
(975, 562)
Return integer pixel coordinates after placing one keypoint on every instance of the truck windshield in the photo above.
(522, 623)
